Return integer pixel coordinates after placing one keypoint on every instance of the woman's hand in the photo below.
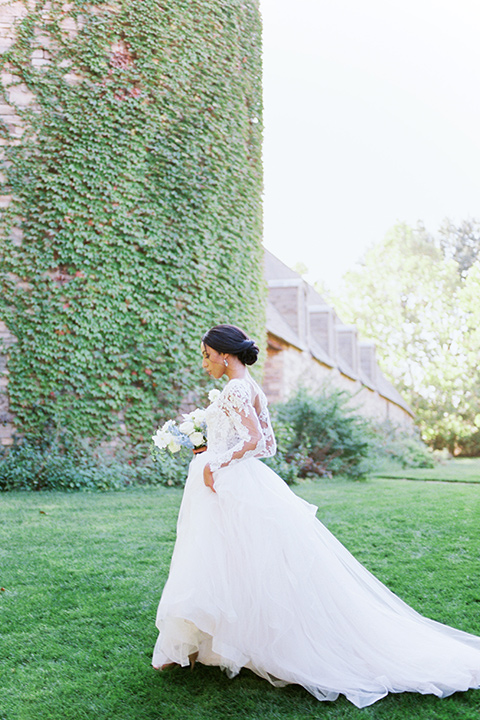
(197, 451)
(208, 477)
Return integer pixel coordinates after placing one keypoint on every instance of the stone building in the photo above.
(9, 13)
(309, 345)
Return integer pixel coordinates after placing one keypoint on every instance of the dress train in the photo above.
(257, 581)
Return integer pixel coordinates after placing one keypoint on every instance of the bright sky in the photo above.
(372, 115)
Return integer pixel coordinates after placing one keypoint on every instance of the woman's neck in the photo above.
(236, 370)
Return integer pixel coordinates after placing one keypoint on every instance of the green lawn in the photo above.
(459, 470)
(82, 574)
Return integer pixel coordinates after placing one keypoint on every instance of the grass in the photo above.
(82, 575)
(458, 470)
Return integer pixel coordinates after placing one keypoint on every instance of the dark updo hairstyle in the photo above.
(230, 339)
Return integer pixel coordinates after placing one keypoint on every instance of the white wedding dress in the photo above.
(257, 581)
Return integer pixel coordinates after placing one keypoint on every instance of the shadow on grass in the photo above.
(83, 582)
(207, 694)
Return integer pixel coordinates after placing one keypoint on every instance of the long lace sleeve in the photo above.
(243, 431)
(266, 425)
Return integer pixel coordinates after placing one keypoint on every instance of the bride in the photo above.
(257, 581)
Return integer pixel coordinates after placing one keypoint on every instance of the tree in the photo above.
(461, 243)
(470, 305)
(412, 299)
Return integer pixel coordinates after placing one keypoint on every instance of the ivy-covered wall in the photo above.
(133, 162)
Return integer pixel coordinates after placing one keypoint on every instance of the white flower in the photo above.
(161, 439)
(213, 394)
(198, 416)
(187, 427)
(173, 446)
(197, 439)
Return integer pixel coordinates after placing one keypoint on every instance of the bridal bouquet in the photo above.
(191, 433)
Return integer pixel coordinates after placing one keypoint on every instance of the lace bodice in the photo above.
(238, 424)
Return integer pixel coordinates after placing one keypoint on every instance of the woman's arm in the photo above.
(237, 406)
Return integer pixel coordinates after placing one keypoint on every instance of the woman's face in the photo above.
(213, 362)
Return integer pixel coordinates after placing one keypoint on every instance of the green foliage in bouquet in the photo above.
(135, 222)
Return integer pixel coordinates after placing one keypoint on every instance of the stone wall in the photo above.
(9, 14)
(308, 345)
(288, 368)
(17, 94)
(16, 97)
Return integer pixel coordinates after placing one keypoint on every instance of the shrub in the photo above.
(287, 466)
(322, 435)
(401, 446)
(171, 470)
(468, 446)
(29, 466)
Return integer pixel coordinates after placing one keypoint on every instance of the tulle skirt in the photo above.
(256, 581)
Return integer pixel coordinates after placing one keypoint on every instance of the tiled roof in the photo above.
(276, 270)
(277, 326)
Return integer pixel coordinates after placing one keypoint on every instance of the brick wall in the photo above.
(273, 375)
(287, 368)
(17, 95)
(309, 345)
(9, 14)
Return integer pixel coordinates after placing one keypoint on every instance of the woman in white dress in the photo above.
(257, 581)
